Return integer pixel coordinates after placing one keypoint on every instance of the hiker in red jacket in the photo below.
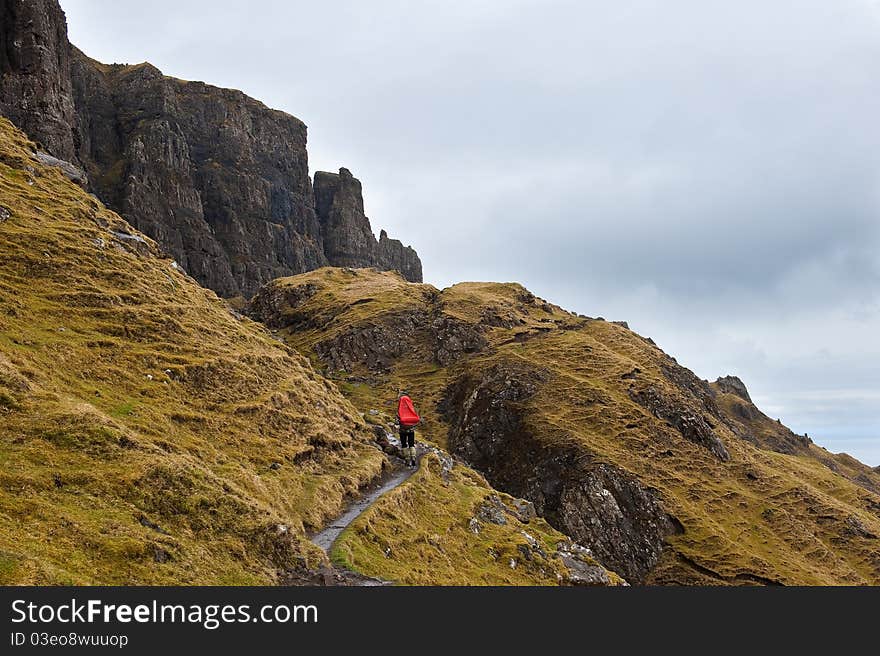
(407, 419)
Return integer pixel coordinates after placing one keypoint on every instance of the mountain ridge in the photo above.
(615, 443)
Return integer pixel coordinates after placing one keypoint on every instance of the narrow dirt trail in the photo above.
(330, 574)
(328, 535)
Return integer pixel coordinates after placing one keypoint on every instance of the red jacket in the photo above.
(406, 412)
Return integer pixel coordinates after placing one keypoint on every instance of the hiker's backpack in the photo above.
(406, 412)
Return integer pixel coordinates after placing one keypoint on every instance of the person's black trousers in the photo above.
(407, 438)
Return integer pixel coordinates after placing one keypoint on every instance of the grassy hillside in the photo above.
(147, 433)
(748, 422)
(616, 444)
(151, 435)
(447, 526)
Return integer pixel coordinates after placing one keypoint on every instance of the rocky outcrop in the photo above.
(70, 170)
(733, 385)
(597, 504)
(422, 330)
(581, 571)
(746, 421)
(375, 346)
(392, 255)
(218, 179)
(348, 238)
(277, 305)
(739, 413)
(581, 566)
(378, 346)
(36, 91)
(340, 207)
(453, 338)
(693, 426)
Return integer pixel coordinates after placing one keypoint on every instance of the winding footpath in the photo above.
(327, 537)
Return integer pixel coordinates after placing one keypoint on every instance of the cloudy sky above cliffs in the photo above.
(707, 170)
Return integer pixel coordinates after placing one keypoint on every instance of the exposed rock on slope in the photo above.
(733, 385)
(217, 178)
(448, 526)
(616, 444)
(593, 502)
(416, 325)
(749, 423)
(348, 238)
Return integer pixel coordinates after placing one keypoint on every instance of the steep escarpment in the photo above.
(148, 434)
(36, 90)
(617, 445)
(219, 180)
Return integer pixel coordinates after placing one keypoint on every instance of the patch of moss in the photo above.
(123, 409)
(9, 564)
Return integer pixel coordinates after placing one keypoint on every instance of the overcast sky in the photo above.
(708, 171)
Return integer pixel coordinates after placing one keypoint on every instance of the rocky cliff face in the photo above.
(219, 180)
(348, 238)
(35, 84)
(392, 255)
(595, 503)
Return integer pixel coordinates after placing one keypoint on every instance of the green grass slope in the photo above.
(148, 435)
